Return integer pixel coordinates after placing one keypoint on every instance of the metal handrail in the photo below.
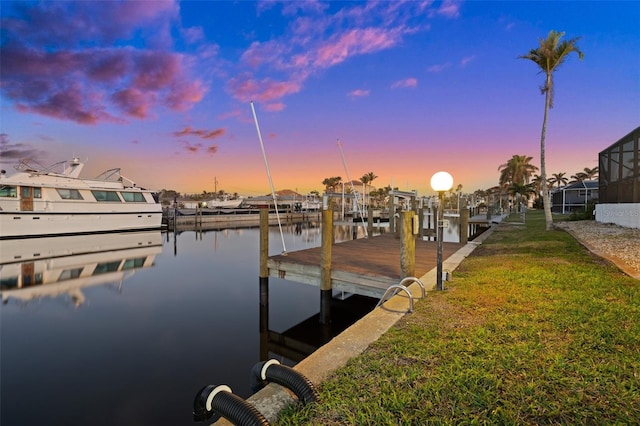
(394, 288)
(414, 279)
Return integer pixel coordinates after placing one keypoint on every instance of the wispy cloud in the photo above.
(194, 148)
(464, 61)
(320, 39)
(439, 67)
(407, 82)
(274, 107)
(449, 8)
(201, 133)
(245, 88)
(70, 60)
(358, 93)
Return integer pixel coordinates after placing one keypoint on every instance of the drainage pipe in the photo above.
(272, 371)
(220, 401)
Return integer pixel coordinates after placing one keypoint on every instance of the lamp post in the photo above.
(440, 182)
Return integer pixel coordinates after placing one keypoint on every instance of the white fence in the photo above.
(623, 214)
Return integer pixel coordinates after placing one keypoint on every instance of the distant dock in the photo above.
(209, 219)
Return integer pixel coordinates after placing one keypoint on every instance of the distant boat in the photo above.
(39, 201)
(223, 204)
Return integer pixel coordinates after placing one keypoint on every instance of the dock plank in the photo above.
(365, 266)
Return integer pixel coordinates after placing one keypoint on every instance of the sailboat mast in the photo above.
(266, 165)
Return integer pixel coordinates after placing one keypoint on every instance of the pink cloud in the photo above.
(201, 133)
(88, 85)
(196, 147)
(358, 93)
(407, 82)
(133, 101)
(260, 53)
(245, 88)
(449, 8)
(274, 107)
(355, 42)
(191, 148)
(73, 103)
(318, 40)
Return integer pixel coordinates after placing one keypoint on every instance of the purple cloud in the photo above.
(10, 153)
(51, 68)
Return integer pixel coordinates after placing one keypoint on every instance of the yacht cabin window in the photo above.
(106, 196)
(69, 194)
(8, 191)
(133, 197)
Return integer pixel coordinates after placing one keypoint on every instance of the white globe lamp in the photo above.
(441, 182)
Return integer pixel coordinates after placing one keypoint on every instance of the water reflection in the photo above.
(139, 356)
(54, 267)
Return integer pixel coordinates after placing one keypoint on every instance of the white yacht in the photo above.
(40, 201)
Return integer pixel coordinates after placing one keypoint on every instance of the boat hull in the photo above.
(42, 224)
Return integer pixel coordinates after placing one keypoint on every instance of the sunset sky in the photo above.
(162, 89)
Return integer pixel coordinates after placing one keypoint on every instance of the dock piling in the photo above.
(407, 245)
(464, 225)
(264, 284)
(325, 265)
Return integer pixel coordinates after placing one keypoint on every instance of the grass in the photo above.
(533, 329)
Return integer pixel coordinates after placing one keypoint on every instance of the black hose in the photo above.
(224, 403)
(272, 371)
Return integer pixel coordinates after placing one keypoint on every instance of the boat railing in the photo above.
(32, 166)
(114, 175)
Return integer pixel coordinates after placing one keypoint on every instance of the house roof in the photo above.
(584, 184)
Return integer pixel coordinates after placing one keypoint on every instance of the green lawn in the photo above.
(532, 329)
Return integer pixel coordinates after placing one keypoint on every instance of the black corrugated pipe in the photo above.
(220, 401)
(272, 371)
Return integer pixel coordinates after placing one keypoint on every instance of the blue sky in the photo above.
(162, 89)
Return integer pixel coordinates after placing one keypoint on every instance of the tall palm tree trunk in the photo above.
(543, 169)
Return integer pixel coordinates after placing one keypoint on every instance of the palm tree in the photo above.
(559, 179)
(517, 170)
(578, 177)
(549, 56)
(591, 173)
(521, 192)
(366, 179)
(331, 183)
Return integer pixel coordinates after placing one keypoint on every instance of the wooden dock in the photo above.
(365, 266)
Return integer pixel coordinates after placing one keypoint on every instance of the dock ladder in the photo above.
(396, 288)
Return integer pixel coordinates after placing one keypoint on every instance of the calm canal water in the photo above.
(128, 336)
